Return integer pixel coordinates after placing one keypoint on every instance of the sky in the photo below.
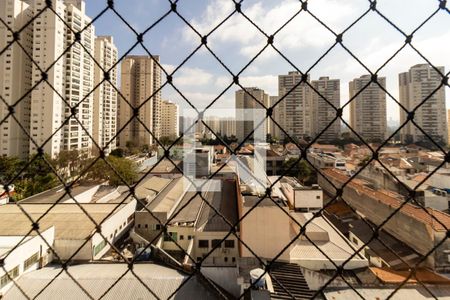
(303, 41)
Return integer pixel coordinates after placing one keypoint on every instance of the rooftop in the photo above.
(166, 199)
(59, 194)
(397, 277)
(223, 202)
(410, 293)
(100, 281)
(385, 246)
(69, 220)
(414, 211)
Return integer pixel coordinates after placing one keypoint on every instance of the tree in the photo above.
(67, 162)
(9, 167)
(118, 152)
(166, 140)
(300, 170)
(112, 170)
(38, 177)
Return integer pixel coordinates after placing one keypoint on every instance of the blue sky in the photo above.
(303, 41)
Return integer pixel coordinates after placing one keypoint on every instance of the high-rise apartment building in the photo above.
(415, 86)
(169, 119)
(227, 126)
(15, 78)
(70, 77)
(105, 95)
(249, 113)
(368, 108)
(79, 78)
(140, 84)
(294, 112)
(47, 99)
(322, 111)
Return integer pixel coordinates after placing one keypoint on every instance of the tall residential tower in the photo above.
(15, 78)
(293, 111)
(169, 119)
(323, 111)
(140, 85)
(368, 108)
(416, 85)
(105, 95)
(250, 111)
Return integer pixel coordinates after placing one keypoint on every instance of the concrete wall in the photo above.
(217, 257)
(382, 179)
(266, 231)
(185, 232)
(32, 245)
(309, 199)
(66, 248)
(145, 224)
(115, 227)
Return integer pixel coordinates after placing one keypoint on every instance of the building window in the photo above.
(171, 237)
(233, 259)
(203, 243)
(181, 237)
(215, 243)
(7, 278)
(31, 261)
(225, 259)
(317, 197)
(139, 226)
(99, 248)
(355, 241)
(229, 243)
(189, 237)
(146, 226)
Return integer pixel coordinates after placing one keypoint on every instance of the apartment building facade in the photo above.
(105, 95)
(79, 78)
(325, 98)
(368, 108)
(140, 87)
(15, 78)
(293, 111)
(48, 83)
(227, 126)
(169, 119)
(415, 86)
(250, 112)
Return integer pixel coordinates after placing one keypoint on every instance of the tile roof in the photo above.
(418, 213)
(423, 275)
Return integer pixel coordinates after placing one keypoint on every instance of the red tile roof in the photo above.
(416, 212)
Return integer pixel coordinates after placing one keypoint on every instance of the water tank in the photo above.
(256, 279)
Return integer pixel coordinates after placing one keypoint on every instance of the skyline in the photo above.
(203, 78)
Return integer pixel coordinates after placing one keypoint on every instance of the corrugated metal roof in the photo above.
(69, 220)
(414, 293)
(97, 279)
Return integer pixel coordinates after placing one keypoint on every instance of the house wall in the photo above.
(17, 258)
(266, 231)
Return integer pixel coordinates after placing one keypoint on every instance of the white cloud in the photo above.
(304, 40)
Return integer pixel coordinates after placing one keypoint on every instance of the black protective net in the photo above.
(41, 165)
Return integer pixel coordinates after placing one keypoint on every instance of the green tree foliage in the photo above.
(36, 178)
(39, 176)
(300, 170)
(104, 171)
(118, 152)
